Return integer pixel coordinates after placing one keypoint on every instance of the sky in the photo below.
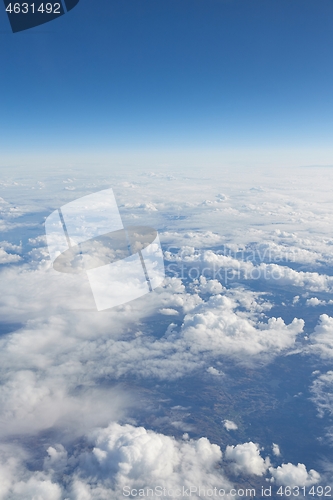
(237, 80)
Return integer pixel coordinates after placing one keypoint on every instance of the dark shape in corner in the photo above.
(70, 4)
(24, 15)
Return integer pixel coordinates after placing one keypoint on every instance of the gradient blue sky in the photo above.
(170, 75)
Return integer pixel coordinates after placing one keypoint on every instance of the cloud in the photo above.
(17, 482)
(6, 245)
(322, 396)
(322, 393)
(212, 287)
(230, 425)
(169, 312)
(52, 367)
(294, 475)
(113, 460)
(273, 273)
(37, 486)
(241, 263)
(31, 403)
(314, 301)
(64, 338)
(216, 327)
(213, 371)
(125, 457)
(10, 212)
(8, 258)
(257, 246)
(142, 454)
(322, 338)
(38, 241)
(276, 450)
(194, 239)
(246, 459)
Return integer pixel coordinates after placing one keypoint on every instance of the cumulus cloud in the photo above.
(6, 245)
(275, 274)
(119, 458)
(314, 301)
(38, 241)
(294, 475)
(37, 486)
(276, 450)
(51, 367)
(213, 287)
(70, 337)
(216, 327)
(230, 425)
(17, 482)
(44, 363)
(259, 246)
(246, 459)
(8, 258)
(213, 371)
(167, 311)
(139, 457)
(283, 249)
(122, 457)
(322, 338)
(194, 239)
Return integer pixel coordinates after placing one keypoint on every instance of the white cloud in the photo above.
(11, 458)
(322, 393)
(128, 456)
(230, 425)
(294, 475)
(118, 458)
(314, 301)
(213, 371)
(6, 245)
(38, 241)
(213, 287)
(216, 327)
(66, 340)
(322, 396)
(167, 311)
(196, 239)
(56, 459)
(322, 338)
(51, 368)
(38, 487)
(273, 273)
(276, 450)
(17, 482)
(246, 459)
(8, 258)
(32, 402)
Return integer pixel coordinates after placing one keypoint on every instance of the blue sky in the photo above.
(170, 75)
